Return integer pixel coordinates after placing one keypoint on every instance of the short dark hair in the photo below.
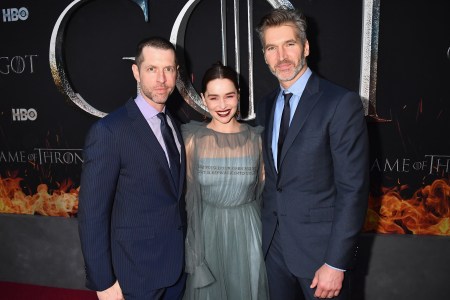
(282, 16)
(154, 42)
(219, 71)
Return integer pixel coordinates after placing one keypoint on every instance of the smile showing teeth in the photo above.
(223, 113)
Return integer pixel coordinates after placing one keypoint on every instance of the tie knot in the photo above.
(287, 97)
(162, 117)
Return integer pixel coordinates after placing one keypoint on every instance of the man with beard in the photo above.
(131, 211)
(316, 162)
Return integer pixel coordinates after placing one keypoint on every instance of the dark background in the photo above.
(412, 91)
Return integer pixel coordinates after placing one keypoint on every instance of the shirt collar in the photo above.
(299, 86)
(147, 110)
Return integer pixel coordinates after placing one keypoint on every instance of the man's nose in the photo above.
(161, 77)
(281, 54)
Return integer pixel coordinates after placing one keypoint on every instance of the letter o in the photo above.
(23, 13)
(32, 114)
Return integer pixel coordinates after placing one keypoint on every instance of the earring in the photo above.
(237, 115)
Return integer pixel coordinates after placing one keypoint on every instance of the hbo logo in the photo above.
(22, 114)
(14, 14)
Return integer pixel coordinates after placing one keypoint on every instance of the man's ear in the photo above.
(135, 70)
(306, 48)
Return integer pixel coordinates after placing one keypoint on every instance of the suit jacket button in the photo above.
(279, 190)
(275, 213)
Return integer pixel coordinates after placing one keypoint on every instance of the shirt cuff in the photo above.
(335, 268)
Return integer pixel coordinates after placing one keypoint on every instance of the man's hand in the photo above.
(112, 293)
(327, 281)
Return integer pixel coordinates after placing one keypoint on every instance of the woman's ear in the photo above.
(203, 99)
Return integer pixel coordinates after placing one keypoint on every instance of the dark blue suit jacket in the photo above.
(131, 217)
(319, 198)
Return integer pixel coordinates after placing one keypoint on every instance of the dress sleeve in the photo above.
(261, 172)
(196, 265)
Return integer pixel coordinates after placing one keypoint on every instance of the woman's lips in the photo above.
(223, 113)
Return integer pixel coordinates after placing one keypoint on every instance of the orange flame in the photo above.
(426, 212)
(13, 200)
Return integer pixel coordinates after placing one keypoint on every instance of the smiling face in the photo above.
(156, 74)
(284, 53)
(221, 98)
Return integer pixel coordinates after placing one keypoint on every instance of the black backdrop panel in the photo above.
(42, 130)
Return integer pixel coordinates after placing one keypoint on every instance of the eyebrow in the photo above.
(153, 66)
(285, 42)
(215, 95)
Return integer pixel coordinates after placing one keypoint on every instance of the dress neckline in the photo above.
(242, 126)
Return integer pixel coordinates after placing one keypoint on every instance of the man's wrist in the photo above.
(334, 268)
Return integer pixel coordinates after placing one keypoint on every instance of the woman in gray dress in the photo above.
(225, 177)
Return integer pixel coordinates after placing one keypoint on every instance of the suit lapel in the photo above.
(146, 135)
(309, 98)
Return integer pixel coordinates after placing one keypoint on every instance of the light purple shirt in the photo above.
(150, 113)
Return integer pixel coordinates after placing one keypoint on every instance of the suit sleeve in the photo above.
(97, 189)
(350, 153)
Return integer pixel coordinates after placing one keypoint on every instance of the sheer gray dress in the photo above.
(225, 177)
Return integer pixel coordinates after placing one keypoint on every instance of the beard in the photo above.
(296, 71)
(156, 97)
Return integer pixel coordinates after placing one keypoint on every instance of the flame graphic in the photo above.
(426, 212)
(59, 203)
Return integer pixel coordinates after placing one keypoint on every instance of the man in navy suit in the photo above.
(131, 210)
(316, 163)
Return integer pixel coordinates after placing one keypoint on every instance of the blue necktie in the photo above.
(284, 126)
(171, 148)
